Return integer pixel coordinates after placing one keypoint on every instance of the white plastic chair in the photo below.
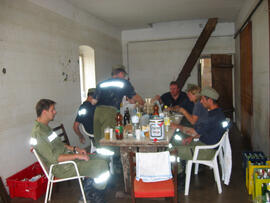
(51, 179)
(211, 163)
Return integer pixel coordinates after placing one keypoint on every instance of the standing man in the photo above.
(176, 97)
(52, 150)
(109, 95)
(85, 116)
(208, 132)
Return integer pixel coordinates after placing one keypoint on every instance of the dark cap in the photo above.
(91, 90)
(118, 69)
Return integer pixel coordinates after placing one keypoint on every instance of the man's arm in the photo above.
(70, 157)
(138, 98)
(190, 117)
(78, 132)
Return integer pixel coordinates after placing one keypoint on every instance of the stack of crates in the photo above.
(261, 176)
(252, 161)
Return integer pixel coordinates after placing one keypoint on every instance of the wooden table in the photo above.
(130, 143)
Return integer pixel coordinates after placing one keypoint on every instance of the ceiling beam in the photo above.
(196, 51)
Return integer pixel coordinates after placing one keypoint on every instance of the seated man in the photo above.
(175, 97)
(209, 132)
(85, 116)
(52, 150)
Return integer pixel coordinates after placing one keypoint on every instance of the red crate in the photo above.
(19, 187)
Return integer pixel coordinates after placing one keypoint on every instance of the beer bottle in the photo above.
(119, 126)
(155, 110)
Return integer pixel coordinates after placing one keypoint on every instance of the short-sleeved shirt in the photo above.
(181, 101)
(211, 131)
(85, 116)
(201, 112)
(111, 92)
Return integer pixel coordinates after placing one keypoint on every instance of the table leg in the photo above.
(125, 164)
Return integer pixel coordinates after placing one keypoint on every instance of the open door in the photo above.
(221, 67)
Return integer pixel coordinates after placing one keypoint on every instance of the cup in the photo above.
(111, 133)
(107, 133)
(138, 134)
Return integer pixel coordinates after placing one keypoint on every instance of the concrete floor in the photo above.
(203, 188)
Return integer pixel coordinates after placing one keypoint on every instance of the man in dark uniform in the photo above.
(85, 116)
(176, 97)
(109, 94)
(208, 132)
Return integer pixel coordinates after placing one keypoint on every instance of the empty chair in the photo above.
(61, 132)
(211, 163)
(163, 188)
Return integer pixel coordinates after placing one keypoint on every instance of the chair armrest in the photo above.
(65, 162)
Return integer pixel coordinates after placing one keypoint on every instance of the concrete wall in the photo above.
(156, 55)
(260, 69)
(38, 43)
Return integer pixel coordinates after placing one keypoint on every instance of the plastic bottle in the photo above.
(119, 126)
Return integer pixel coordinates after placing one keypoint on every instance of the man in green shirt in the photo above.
(52, 150)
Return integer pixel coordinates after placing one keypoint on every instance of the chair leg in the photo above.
(188, 173)
(196, 169)
(81, 186)
(47, 191)
(50, 191)
(111, 165)
(221, 161)
(217, 178)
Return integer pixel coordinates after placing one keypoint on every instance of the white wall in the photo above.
(155, 56)
(260, 69)
(37, 45)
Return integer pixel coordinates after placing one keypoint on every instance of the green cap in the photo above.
(210, 92)
(189, 86)
(91, 90)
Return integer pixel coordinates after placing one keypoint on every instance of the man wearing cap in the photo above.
(85, 116)
(109, 94)
(175, 97)
(208, 132)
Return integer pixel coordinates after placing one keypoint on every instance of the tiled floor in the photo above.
(202, 189)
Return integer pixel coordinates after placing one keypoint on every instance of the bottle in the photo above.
(126, 117)
(138, 112)
(155, 110)
(119, 126)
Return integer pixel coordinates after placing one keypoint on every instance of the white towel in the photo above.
(153, 167)
(227, 160)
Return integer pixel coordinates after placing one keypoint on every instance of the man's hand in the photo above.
(82, 139)
(187, 140)
(82, 157)
(81, 151)
(174, 126)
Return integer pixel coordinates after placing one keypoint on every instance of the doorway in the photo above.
(216, 71)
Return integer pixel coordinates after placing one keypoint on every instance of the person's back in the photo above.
(111, 92)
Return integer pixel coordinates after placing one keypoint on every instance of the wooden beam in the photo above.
(196, 51)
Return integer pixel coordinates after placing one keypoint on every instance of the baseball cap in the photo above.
(210, 92)
(91, 90)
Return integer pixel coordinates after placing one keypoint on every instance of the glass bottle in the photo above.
(155, 110)
(126, 117)
(119, 126)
